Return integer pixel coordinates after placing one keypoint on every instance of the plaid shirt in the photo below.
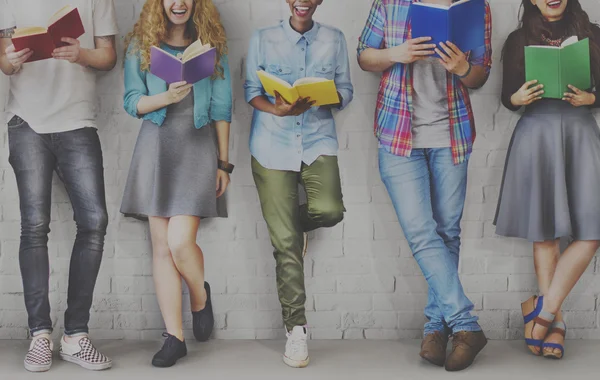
(388, 26)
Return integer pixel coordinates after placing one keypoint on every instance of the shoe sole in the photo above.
(432, 361)
(295, 363)
(84, 364)
(37, 367)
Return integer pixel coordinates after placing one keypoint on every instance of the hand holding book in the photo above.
(17, 58)
(527, 94)
(411, 50)
(579, 98)
(282, 108)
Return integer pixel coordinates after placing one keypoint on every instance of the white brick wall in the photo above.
(361, 279)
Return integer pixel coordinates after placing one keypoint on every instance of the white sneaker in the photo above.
(84, 353)
(296, 349)
(39, 356)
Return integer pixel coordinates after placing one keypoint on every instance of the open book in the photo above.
(557, 67)
(194, 64)
(320, 90)
(462, 23)
(42, 41)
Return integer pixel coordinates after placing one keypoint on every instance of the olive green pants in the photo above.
(287, 222)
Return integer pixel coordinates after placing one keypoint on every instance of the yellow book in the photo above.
(320, 90)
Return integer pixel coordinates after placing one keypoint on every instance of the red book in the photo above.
(42, 41)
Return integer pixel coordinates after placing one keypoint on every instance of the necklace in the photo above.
(557, 42)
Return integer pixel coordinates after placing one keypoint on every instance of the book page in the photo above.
(166, 53)
(60, 14)
(459, 3)
(276, 79)
(570, 41)
(194, 50)
(20, 32)
(309, 80)
(432, 5)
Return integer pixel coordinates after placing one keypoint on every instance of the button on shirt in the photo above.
(284, 143)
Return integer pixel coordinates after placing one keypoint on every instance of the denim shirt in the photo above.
(212, 98)
(284, 143)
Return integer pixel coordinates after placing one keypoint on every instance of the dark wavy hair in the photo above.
(533, 25)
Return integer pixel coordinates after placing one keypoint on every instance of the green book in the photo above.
(558, 67)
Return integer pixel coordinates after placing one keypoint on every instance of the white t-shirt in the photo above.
(56, 95)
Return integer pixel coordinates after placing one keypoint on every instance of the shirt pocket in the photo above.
(281, 71)
(324, 70)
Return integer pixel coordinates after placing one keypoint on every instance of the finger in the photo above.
(569, 95)
(448, 51)
(575, 89)
(423, 53)
(187, 87)
(535, 95)
(420, 40)
(21, 53)
(424, 47)
(534, 89)
(454, 48)
(68, 40)
(443, 56)
(11, 49)
(529, 84)
(62, 50)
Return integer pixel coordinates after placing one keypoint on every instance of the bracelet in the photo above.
(225, 166)
(467, 73)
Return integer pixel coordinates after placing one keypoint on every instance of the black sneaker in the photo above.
(171, 351)
(204, 320)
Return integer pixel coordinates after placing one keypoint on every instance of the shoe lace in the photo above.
(170, 340)
(460, 340)
(297, 343)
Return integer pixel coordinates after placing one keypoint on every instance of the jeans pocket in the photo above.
(15, 122)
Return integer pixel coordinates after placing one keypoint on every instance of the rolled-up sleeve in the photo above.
(343, 80)
(252, 86)
(482, 56)
(372, 35)
(135, 83)
(221, 100)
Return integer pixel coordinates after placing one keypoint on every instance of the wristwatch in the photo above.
(225, 166)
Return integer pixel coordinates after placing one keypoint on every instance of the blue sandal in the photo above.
(558, 327)
(532, 315)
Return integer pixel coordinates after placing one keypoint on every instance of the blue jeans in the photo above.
(76, 157)
(428, 192)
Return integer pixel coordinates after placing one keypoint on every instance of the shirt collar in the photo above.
(294, 36)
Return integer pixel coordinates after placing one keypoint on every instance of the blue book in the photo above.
(462, 23)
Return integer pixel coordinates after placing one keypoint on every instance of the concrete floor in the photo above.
(346, 360)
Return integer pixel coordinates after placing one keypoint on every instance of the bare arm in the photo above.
(281, 108)
(11, 60)
(378, 60)
(176, 92)
(103, 57)
(223, 128)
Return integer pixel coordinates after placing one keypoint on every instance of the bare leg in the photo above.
(188, 257)
(571, 265)
(167, 279)
(545, 258)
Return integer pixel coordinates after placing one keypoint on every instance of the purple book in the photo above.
(194, 64)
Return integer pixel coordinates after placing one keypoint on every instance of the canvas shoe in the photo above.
(296, 349)
(84, 353)
(39, 356)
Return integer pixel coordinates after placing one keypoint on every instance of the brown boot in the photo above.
(433, 348)
(465, 346)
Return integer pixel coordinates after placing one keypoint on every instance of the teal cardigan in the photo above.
(212, 98)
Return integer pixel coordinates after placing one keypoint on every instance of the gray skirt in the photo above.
(174, 168)
(552, 175)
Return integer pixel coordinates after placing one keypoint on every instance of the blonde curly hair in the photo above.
(152, 28)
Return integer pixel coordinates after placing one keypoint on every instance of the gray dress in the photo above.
(552, 175)
(174, 167)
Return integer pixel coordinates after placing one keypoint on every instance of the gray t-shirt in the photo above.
(430, 116)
